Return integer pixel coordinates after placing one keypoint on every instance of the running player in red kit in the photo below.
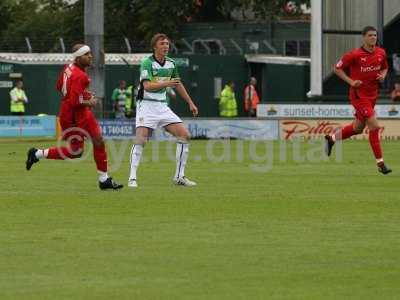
(363, 69)
(76, 118)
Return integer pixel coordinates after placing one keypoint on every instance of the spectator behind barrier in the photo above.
(251, 98)
(395, 94)
(119, 96)
(227, 102)
(18, 99)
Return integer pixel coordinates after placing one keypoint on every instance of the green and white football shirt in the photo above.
(151, 69)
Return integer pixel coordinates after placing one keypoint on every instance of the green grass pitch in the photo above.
(304, 230)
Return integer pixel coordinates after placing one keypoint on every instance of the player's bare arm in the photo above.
(184, 94)
(90, 102)
(382, 75)
(342, 75)
(154, 86)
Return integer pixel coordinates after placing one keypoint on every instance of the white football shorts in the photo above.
(154, 114)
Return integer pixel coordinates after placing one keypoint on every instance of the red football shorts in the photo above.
(364, 109)
(83, 125)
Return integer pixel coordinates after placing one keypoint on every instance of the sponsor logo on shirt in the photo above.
(370, 69)
(363, 59)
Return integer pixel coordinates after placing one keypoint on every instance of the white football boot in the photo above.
(132, 183)
(184, 181)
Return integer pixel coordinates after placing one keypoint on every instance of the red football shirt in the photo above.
(360, 64)
(73, 83)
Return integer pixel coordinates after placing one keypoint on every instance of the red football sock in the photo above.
(73, 151)
(100, 157)
(345, 133)
(375, 143)
(59, 153)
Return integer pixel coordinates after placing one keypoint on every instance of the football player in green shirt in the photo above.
(157, 73)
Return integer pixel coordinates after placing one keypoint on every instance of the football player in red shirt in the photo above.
(363, 69)
(77, 119)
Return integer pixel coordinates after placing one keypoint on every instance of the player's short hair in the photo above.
(156, 38)
(366, 29)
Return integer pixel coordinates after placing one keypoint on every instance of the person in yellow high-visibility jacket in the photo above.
(227, 102)
(18, 99)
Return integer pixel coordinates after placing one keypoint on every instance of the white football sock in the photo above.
(103, 176)
(182, 153)
(41, 153)
(136, 154)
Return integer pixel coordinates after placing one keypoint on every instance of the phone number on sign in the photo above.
(117, 130)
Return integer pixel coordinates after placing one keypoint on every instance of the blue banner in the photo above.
(25, 126)
(243, 129)
(118, 129)
(200, 128)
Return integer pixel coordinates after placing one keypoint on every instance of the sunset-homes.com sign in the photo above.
(321, 111)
